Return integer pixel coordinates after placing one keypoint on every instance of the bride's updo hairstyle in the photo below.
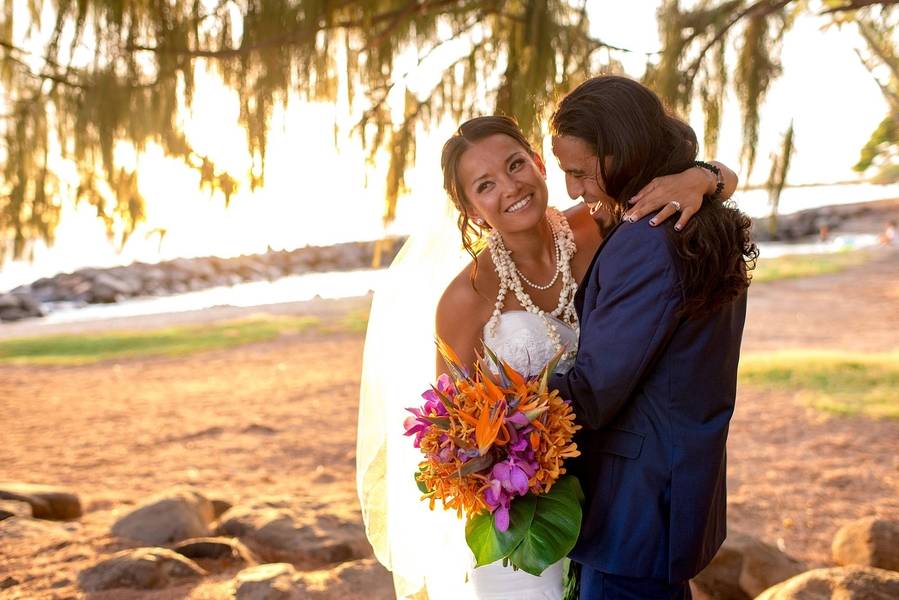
(626, 125)
(469, 133)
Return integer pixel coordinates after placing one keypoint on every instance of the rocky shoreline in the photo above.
(104, 286)
(864, 217)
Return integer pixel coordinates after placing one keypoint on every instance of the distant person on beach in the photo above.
(888, 237)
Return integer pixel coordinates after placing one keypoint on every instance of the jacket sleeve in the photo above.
(634, 314)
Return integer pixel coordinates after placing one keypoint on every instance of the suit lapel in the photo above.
(588, 276)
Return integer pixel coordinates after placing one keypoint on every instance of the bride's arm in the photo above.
(689, 188)
(460, 321)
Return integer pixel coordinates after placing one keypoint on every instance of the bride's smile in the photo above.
(504, 184)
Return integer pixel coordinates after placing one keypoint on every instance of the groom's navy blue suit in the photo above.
(654, 392)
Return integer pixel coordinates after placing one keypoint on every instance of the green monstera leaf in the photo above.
(554, 528)
(542, 529)
(490, 545)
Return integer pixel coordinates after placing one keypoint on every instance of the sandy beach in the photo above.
(275, 422)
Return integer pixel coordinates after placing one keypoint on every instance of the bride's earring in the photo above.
(479, 221)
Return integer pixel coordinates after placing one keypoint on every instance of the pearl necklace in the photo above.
(558, 257)
(510, 279)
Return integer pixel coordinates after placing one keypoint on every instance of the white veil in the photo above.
(398, 365)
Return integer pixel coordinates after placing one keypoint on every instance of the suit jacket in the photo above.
(655, 394)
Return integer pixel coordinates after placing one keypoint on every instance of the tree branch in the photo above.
(857, 4)
(761, 8)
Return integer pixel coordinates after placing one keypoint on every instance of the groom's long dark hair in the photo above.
(627, 126)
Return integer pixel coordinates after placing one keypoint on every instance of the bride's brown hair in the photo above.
(625, 123)
(469, 133)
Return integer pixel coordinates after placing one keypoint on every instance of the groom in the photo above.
(654, 380)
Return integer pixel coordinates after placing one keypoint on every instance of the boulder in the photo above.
(357, 580)
(140, 569)
(14, 508)
(47, 502)
(30, 305)
(13, 314)
(220, 507)
(107, 289)
(278, 535)
(743, 568)
(216, 548)
(23, 528)
(871, 542)
(267, 582)
(8, 301)
(839, 583)
(169, 517)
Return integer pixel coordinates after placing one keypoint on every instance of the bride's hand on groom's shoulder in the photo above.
(680, 194)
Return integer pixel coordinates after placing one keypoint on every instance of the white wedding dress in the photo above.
(424, 549)
(521, 340)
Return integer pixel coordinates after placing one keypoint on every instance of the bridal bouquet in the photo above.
(494, 448)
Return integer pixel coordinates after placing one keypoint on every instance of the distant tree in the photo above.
(693, 65)
(80, 78)
(777, 178)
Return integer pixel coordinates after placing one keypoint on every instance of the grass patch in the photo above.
(837, 382)
(806, 265)
(173, 341)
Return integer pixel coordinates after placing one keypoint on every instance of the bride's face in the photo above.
(504, 183)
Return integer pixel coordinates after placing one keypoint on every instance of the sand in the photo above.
(279, 419)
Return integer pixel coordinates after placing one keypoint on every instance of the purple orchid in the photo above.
(418, 424)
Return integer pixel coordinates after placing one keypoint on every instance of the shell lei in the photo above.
(509, 279)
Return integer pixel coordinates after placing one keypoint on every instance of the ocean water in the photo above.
(358, 283)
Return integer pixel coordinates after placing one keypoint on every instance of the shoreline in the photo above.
(866, 218)
(324, 308)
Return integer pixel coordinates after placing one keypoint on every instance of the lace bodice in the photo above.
(521, 340)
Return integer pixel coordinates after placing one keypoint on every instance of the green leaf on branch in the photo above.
(490, 545)
(554, 529)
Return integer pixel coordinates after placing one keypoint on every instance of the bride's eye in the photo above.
(482, 187)
(516, 164)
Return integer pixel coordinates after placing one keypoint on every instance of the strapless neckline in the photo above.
(520, 338)
(536, 316)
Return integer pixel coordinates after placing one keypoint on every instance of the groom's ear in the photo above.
(540, 164)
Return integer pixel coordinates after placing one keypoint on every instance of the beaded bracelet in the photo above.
(719, 180)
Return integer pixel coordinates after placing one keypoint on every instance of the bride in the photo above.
(516, 297)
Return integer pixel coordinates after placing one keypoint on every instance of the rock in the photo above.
(30, 305)
(215, 548)
(743, 568)
(839, 583)
(358, 580)
(194, 268)
(872, 542)
(20, 528)
(47, 502)
(267, 582)
(220, 507)
(141, 569)
(169, 517)
(277, 535)
(13, 314)
(14, 508)
(107, 289)
(8, 301)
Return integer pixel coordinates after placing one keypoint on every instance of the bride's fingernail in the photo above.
(678, 227)
(652, 222)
